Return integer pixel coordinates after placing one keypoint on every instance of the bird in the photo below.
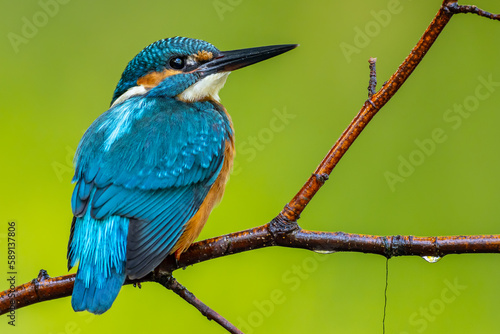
(150, 169)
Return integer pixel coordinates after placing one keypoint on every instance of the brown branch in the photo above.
(171, 283)
(291, 212)
(283, 230)
(272, 234)
(38, 290)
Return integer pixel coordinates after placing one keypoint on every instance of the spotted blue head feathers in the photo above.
(171, 53)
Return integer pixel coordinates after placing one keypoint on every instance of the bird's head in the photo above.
(187, 69)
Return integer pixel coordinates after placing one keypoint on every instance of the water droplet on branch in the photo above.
(321, 251)
(431, 259)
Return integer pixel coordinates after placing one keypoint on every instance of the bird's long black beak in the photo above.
(228, 61)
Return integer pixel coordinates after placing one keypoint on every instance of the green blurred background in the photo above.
(61, 77)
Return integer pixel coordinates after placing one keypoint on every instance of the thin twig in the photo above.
(171, 283)
(372, 84)
(385, 293)
(455, 8)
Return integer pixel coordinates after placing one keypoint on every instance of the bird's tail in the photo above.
(100, 248)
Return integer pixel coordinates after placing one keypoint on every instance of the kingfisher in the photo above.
(149, 170)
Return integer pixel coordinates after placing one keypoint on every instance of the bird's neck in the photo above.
(205, 89)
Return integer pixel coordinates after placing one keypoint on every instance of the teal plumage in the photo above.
(147, 169)
(156, 173)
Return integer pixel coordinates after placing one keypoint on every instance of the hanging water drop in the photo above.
(431, 259)
(321, 251)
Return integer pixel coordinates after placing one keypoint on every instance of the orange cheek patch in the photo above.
(152, 79)
(203, 56)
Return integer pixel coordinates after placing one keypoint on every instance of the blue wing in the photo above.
(152, 160)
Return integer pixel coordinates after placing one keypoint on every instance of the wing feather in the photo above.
(156, 171)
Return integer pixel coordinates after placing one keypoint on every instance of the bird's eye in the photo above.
(177, 63)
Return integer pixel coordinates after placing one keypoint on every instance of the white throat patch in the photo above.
(134, 91)
(207, 87)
